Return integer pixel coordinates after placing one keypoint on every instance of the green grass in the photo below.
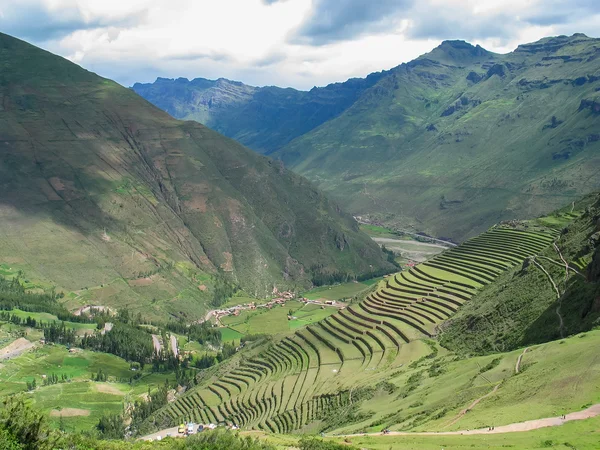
(339, 291)
(230, 335)
(46, 318)
(272, 321)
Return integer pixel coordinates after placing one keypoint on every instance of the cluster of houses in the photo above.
(280, 299)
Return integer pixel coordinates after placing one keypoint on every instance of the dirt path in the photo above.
(174, 345)
(518, 364)
(539, 266)
(588, 413)
(15, 348)
(472, 405)
(156, 342)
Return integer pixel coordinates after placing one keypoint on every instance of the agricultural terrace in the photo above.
(299, 377)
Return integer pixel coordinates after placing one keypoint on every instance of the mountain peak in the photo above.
(552, 44)
(453, 51)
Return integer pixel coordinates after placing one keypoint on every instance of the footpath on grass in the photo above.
(528, 425)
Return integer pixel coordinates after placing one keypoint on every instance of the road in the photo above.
(528, 425)
(163, 433)
(174, 345)
(156, 342)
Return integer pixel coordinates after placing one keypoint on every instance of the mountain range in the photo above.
(108, 197)
(448, 144)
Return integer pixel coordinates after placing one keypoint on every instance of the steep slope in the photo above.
(104, 194)
(447, 144)
(542, 299)
(264, 119)
(376, 363)
(462, 138)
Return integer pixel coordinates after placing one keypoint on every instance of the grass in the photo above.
(94, 399)
(339, 291)
(272, 321)
(582, 435)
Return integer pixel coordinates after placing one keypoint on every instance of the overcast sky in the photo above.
(298, 43)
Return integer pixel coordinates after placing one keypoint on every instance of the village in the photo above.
(280, 299)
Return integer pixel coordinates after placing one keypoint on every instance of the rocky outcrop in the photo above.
(593, 104)
(497, 69)
(474, 77)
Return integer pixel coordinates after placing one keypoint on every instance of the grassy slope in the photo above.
(425, 386)
(106, 195)
(520, 308)
(399, 153)
(95, 399)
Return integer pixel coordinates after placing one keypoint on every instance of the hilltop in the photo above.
(448, 144)
(108, 198)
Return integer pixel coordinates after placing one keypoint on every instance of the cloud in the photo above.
(335, 20)
(40, 20)
(555, 12)
(299, 43)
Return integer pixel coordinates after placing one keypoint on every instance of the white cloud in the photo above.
(297, 43)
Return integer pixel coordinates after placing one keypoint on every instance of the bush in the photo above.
(319, 444)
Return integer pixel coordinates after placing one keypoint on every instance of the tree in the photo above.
(111, 427)
(25, 426)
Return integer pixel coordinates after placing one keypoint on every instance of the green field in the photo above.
(81, 400)
(339, 291)
(274, 320)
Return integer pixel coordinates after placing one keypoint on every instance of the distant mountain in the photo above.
(265, 119)
(462, 138)
(103, 194)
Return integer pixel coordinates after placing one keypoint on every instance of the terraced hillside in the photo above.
(299, 378)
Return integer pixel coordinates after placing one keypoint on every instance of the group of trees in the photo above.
(207, 360)
(124, 340)
(203, 333)
(24, 428)
(223, 289)
(59, 333)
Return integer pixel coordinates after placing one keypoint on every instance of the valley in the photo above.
(442, 292)
(447, 144)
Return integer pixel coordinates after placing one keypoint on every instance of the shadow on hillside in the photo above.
(579, 309)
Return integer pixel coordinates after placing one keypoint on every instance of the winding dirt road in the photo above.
(528, 425)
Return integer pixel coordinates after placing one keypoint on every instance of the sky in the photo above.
(297, 43)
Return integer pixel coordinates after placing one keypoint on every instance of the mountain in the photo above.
(107, 196)
(263, 118)
(462, 138)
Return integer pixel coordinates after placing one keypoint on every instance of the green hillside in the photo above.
(377, 363)
(447, 144)
(460, 138)
(105, 196)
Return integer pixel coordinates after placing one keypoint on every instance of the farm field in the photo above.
(339, 291)
(310, 379)
(274, 320)
(80, 401)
